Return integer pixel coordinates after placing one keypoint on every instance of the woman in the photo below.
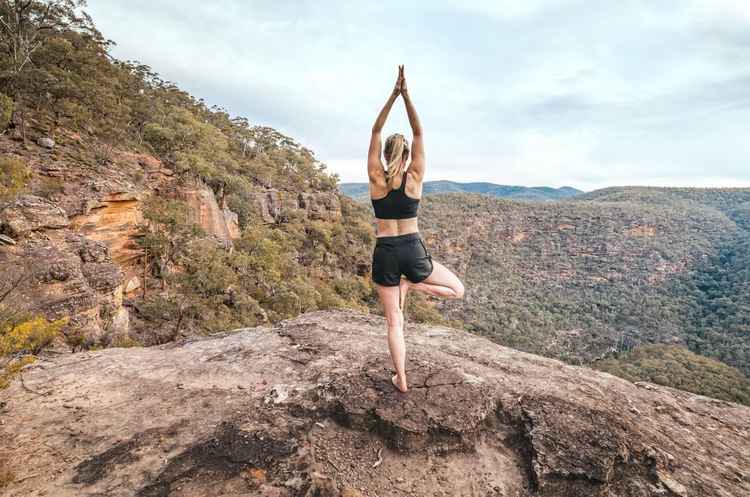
(395, 192)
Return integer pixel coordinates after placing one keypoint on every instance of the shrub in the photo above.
(420, 310)
(6, 110)
(13, 368)
(14, 175)
(677, 367)
(29, 336)
(47, 187)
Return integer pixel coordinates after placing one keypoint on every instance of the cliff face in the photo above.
(271, 205)
(307, 408)
(215, 220)
(69, 275)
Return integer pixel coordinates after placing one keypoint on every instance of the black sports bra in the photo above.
(396, 205)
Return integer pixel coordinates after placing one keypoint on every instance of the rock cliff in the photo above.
(215, 220)
(69, 275)
(272, 204)
(307, 409)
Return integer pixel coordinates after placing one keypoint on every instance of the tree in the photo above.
(25, 26)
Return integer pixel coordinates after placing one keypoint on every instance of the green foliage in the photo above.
(14, 175)
(168, 230)
(718, 321)
(571, 279)
(273, 272)
(420, 310)
(191, 145)
(6, 110)
(28, 337)
(70, 80)
(677, 367)
(579, 279)
(711, 297)
(32, 37)
(21, 338)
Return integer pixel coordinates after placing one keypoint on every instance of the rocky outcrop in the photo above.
(29, 213)
(271, 205)
(307, 409)
(46, 142)
(67, 275)
(215, 220)
(114, 219)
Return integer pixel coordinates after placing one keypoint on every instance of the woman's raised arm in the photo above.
(375, 167)
(417, 166)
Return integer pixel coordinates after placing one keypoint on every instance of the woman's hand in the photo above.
(397, 89)
(404, 90)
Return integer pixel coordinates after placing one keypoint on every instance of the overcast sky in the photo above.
(528, 92)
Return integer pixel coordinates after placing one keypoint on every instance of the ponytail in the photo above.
(396, 152)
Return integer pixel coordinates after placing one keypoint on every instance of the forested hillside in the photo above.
(595, 278)
(716, 290)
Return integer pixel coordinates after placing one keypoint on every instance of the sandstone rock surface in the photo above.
(115, 220)
(30, 213)
(307, 409)
(206, 212)
(271, 204)
(69, 276)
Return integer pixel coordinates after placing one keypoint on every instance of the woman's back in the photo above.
(396, 211)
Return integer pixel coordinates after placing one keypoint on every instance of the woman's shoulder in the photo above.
(378, 188)
(414, 177)
(413, 185)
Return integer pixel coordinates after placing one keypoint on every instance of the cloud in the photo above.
(553, 92)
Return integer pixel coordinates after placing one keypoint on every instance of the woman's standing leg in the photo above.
(389, 297)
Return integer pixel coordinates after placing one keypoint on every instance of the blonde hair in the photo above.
(395, 151)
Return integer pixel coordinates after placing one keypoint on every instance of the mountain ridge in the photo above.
(360, 191)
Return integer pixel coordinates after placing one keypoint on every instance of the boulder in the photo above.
(46, 142)
(132, 284)
(307, 408)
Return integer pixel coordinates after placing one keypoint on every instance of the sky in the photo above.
(533, 92)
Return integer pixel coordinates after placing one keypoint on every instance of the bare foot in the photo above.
(400, 386)
(403, 288)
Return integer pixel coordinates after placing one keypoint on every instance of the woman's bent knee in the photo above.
(459, 290)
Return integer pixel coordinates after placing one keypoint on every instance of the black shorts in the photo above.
(397, 255)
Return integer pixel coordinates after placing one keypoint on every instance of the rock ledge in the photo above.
(307, 409)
